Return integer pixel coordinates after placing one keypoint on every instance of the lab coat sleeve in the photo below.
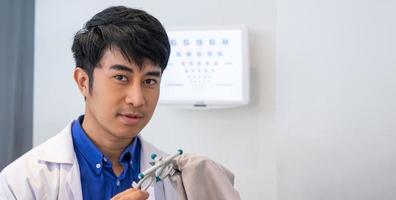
(202, 178)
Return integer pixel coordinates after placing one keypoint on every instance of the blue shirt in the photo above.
(98, 180)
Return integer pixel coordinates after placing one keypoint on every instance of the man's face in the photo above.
(123, 97)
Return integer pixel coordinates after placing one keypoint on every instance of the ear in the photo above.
(82, 80)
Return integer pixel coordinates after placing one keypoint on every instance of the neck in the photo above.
(108, 144)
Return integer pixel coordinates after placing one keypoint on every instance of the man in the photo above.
(120, 56)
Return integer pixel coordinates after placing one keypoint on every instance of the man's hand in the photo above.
(131, 194)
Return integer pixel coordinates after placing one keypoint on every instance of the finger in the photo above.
(136, 194)
(135, 190)
(132, 194)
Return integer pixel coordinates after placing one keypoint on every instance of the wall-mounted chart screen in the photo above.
(206, 68)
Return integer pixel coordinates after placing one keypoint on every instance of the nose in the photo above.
(135, 96)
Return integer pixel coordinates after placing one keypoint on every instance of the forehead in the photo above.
(113, 56)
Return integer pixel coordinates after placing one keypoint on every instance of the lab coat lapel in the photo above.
(73, 183)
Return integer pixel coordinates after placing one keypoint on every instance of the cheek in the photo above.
(105, 96)
(152, 100)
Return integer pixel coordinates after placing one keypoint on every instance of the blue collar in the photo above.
(83, 144)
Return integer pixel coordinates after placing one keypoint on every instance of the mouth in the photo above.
(130, 119)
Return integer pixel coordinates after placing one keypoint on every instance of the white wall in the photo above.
(336, 94)
(242, 139)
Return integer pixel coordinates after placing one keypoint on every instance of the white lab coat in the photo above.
(51, 171)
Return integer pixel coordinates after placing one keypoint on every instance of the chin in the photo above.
(127, 133)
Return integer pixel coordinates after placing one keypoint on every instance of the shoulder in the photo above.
(27, 163)
(21, 178)
(57, 149)
(33, 170)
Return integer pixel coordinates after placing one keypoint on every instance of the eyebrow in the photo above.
(154, 73)
(118, 67)
(121, 68)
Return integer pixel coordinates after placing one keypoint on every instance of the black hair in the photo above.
(135, 33)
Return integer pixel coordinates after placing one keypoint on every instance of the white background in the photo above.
(336, 99)
(321, 120)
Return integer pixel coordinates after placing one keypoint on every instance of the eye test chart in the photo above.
(207, 68)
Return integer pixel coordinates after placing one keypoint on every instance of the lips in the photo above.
(130, 119)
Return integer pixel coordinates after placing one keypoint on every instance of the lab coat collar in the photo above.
(58, 149)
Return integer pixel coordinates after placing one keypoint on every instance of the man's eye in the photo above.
(120, 78)
(151, 82)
